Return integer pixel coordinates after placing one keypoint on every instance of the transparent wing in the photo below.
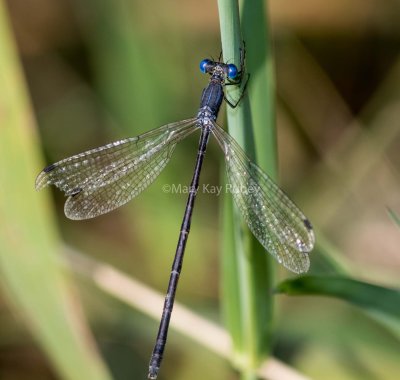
(273, 218)
(104, 178)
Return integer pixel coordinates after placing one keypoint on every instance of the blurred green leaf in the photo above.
(31, 275)
(380, 303)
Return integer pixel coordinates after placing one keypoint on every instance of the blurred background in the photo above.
(101, 70)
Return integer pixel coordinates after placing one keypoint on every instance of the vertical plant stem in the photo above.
(247, 276)
(260, 63)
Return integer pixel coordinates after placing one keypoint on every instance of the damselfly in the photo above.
(104, 178)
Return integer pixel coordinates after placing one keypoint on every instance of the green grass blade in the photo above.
(380, 303)
(246, 267)
(30, 274)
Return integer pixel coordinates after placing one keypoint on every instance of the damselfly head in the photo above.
(208, 66)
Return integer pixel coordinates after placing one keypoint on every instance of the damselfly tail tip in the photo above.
(153, 372)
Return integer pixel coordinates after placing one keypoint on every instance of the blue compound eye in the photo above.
(203, 65)
(232, 71)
